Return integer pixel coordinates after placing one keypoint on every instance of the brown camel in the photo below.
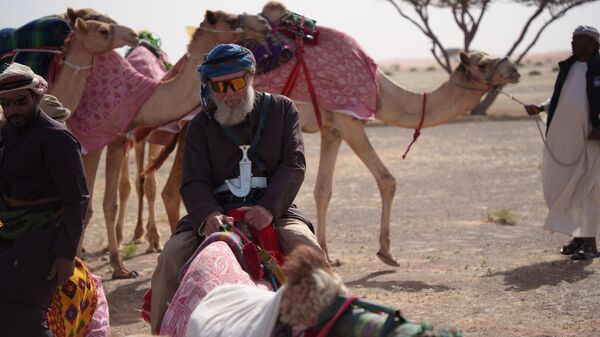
(397, 106)
(171, 100)
(92, 34)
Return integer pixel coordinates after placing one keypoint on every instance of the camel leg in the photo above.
(124, 193)
(138, 233)
(91, 162)
(353, 132)
(170, 193)
(114, 159)
(150, 192)
(330, 145)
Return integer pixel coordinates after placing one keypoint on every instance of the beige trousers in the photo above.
(180, 247)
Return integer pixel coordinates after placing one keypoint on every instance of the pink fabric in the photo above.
(214, 266)
(342, 73)
(100, 324)
(145, 62)
(113, 95)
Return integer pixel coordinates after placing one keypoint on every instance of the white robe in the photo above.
(572, 192)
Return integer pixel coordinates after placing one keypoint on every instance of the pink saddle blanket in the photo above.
(215, 265)
(343, 75)
(113, 95)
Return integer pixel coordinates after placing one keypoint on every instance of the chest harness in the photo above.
(240, 186)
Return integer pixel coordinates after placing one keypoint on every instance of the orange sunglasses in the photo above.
(237, 84)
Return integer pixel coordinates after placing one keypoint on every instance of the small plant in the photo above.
(388, 73)
(430, 68)
(412, 69)
(554, 69)
(535, 73)
(128, 251)
(539, 64)
(504, 216)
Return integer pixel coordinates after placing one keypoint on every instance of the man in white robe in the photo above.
(571, 159)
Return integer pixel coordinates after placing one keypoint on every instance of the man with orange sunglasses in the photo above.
(245, 150)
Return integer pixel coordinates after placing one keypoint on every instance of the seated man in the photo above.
(43, 198)
(244, 150)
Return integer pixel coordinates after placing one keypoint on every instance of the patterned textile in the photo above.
(275, 51)
(46, 33)
(16, 222)
(100, 324)
(214, 266)
(113, 95)
(342, 73)
(74, 304)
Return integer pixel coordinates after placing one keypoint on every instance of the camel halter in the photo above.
(77, 68)
(537, 122)
(486, 81)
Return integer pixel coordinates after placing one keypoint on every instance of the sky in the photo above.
(375, 24)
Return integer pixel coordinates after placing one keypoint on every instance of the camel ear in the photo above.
(71, 15)
(211, 17)
(80, 25)
(464, 58)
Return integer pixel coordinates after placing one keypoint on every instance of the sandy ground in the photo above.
(455, 267)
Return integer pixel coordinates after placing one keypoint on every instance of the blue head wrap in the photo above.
(224, 59)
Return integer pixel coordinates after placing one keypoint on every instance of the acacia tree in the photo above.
(468, 15)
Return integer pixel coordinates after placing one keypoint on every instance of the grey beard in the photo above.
(229, 116)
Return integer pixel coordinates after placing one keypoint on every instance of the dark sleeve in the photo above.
(289, 174)
(63, 158)
(196, 188)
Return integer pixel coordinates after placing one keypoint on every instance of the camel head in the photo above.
(274, 11)
(99, 33)
(484, 69)
(311, 285)
(220, 27)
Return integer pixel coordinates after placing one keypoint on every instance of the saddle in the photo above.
(37, 45)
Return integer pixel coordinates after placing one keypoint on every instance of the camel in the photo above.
(92, 34)
(476, 74)
(170, 100)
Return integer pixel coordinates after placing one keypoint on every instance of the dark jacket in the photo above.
(593, 87)
(43, 160)
(210, 157)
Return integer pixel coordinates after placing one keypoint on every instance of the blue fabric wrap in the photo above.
(224, 59)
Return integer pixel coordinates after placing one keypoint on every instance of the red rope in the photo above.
(291, 81)
(325, 331)
(418, 129)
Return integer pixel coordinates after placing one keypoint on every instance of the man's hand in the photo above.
(61, 268)
(595, 134)
(533, 109)
(214, 221)
(257, 217)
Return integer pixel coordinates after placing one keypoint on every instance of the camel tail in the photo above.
(154, 165)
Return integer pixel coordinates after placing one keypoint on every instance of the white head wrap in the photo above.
(18, 76)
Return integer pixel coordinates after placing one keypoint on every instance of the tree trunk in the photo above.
(488, 100)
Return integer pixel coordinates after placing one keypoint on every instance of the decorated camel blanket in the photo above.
(79, 307)
(113, 95)
(343, 75)
(215, 265)
(19, 45)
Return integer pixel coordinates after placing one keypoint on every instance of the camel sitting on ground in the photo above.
(171, 99)
(476, 74)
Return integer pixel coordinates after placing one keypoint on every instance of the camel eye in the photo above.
(104, 32)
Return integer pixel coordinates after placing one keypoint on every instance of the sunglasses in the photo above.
(19, 101)
(236, 84)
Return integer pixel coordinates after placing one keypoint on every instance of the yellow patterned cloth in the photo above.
(74, 304)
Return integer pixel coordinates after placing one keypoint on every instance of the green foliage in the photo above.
(128, 251)
(503, 216)
(535, 73)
